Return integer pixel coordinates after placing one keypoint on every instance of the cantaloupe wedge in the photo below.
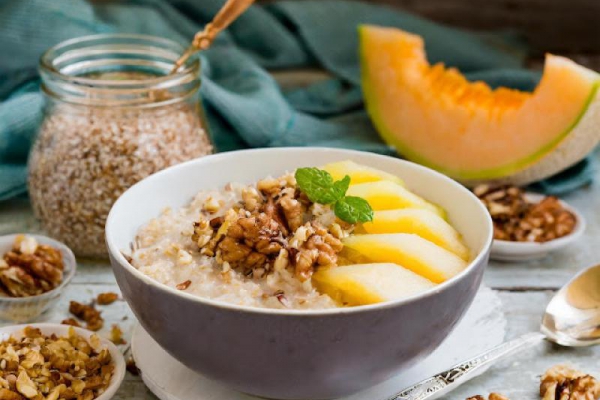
(434, 116)
(360, 284)
(359, 173)
(424, 223)
(406, 249)
(385, 195)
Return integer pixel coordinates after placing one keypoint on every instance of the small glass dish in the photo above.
(24, 309)
(504, 250)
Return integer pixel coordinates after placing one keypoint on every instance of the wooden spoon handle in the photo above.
(203, 39)
(230, 11)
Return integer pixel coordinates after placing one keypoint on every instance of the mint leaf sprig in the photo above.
(319, 187)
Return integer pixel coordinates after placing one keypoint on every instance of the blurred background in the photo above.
(566, 27)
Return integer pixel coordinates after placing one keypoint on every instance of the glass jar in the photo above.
(113, 116)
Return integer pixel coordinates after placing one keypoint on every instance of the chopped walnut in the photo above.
(107, 298)
(30, 269)
(202, 233)
(252, 199)
(131, 367)
(517, 219)
(211, 205)
(87, 313)
(183, 285)
(562, 382)
(71, 321)
(116, 335)
(273, 228)
(43, 367)
(293, 211)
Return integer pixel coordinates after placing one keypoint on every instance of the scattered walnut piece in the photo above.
(43, 367)
(29, 268)
(183, 285)
(71, 321)
(131, 367)
(116, 335)
(89, 314)
(107, 298)
(492, 396)
(562, 382)
(517, 219)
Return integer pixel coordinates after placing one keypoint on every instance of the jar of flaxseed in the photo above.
(113, 116)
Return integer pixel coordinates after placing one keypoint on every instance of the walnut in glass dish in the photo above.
(518, 219)
(30, 268)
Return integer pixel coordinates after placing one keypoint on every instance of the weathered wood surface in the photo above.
(524, 289)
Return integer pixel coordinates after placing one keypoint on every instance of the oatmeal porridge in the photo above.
(295, 242)
(235, 245)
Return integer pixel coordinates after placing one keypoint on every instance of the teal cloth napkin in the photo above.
(245, 106)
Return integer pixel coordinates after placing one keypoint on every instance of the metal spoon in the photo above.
(572, 319)
(203, 39)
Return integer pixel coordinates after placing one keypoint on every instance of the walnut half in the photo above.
(562, 382)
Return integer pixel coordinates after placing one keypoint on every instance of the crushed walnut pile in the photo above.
(275, 226)
(43, 367)
(30, 268)
(561, 382)
(517, 219)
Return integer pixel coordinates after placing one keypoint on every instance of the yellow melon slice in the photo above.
(424, 223)
(359, 173)
(434, 116)
(406, 249)
(360, 284)
(385, 195)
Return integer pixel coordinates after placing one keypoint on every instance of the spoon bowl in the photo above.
(572, 317)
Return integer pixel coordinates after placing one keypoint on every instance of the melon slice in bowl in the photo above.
(409, 250)
(435, 117)
(386, 195)
(358, 284)
(359, 173)
(424, 223)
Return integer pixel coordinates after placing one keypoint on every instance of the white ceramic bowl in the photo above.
(63, 330)
(505, 250)
(23, 309)
(293, 354)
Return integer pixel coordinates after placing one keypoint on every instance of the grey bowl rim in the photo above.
(66, 277)
(118, 257)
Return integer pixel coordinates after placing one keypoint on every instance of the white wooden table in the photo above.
(523, 288)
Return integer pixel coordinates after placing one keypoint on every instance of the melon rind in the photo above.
(580, 141)
(565, 150)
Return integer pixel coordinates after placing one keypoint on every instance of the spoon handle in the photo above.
(230, 11)
(450, 379)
